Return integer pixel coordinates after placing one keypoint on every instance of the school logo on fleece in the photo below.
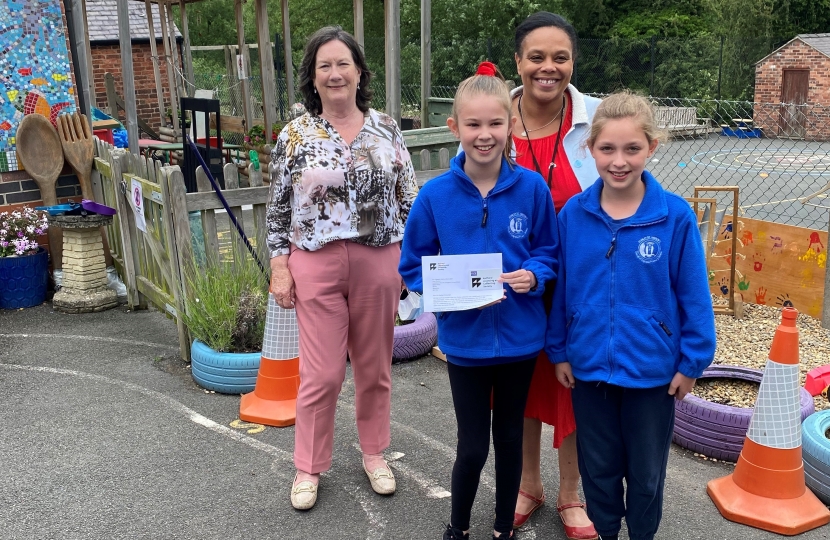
(649, 250)
(518, 225)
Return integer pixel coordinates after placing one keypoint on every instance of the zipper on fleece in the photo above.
(611, 295)
(484, 212)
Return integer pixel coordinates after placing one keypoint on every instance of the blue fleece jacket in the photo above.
(516, 219)
(632, 305)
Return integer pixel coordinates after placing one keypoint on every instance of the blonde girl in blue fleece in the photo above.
(487, 204)
(632, 324)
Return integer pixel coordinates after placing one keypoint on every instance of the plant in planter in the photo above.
(225, 309)
(23, 264)
(255, 138)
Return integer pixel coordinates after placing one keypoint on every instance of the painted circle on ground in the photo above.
(780, 160)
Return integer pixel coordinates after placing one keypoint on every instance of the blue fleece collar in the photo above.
(653, 207)
(508, 175)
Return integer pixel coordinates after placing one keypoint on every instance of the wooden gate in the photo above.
(152, 262)
(795, 84)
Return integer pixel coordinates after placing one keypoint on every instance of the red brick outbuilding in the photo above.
(792, 89)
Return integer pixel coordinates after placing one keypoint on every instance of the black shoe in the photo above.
(454, 533)
(606, 537)
(504, 536)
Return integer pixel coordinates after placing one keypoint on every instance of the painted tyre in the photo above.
(816, 452)
(227, 373)
(415, 339)
(716, 430)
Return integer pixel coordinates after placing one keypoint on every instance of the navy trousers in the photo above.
(623, 434)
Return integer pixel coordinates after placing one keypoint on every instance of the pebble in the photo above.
(746, 342)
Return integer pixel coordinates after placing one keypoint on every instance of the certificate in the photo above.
(459, 282)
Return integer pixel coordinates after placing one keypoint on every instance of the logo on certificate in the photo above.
(485, 280)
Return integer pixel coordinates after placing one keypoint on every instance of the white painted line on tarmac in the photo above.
(430, 486)
(377, 523)
(192, 415)
(92, 338)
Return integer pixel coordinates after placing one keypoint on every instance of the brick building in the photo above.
(792, 89)
(106, 55)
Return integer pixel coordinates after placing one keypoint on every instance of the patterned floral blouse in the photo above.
(323, 189)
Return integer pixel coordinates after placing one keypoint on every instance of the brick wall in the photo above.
(107, 59)
(768, 81)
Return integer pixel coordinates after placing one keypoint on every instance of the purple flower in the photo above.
(20, 234)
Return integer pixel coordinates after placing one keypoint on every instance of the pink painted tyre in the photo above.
(415, 339)
(716, 430)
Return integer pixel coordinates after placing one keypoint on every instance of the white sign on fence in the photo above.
(137, 204)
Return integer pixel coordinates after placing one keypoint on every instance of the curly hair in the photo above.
(311, 100)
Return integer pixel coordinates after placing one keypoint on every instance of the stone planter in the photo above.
(23, 280)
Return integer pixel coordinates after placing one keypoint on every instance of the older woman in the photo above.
(342, 185)
(553, 122)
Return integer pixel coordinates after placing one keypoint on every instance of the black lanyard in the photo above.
(552, 165)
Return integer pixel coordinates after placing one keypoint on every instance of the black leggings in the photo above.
(472, 388)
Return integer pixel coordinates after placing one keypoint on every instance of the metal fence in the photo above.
(776, 154)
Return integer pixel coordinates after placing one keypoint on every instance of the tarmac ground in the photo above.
(107, 436)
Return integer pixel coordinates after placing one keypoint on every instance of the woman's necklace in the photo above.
(552, 165)
(552, 120)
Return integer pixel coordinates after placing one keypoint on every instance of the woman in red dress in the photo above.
(553, 121)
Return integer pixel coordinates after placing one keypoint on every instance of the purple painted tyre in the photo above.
(415, 339)
(715, 430)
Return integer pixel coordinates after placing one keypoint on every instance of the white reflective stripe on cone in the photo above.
(776, 422)
(282, 338)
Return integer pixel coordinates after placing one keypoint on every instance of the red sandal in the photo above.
(577, 533)
(521, 519)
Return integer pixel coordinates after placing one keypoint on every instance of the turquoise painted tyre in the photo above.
(226, 373)
(816, 452)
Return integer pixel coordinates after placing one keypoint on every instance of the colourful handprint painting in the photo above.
(787, 268)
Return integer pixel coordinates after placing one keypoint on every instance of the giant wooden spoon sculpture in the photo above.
(39, 151)
(78, 149)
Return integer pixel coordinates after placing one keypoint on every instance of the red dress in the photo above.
(547, 399)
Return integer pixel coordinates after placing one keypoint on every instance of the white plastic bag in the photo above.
(410, 305)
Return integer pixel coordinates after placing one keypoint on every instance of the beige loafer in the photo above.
(382, 480)
(303, 494)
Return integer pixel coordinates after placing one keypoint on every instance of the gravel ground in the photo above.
(727, 392)
(746, 342)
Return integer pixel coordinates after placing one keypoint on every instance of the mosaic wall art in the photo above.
(35, 75)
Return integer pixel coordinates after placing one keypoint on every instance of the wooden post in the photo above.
(92, 95)
(825, 312)
(127, 228)
(167, 13)
(154, 55)
(172, 222)
(171, 80)
(266, 66)
(188, 56)
(126, 78)
(80, 33)
(426, 60)
(392, 14)
(286, 44)
(358, 24)
(245, 83)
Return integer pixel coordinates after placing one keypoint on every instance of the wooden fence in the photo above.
(152, 261)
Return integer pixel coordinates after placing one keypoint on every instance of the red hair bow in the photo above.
(487, 69)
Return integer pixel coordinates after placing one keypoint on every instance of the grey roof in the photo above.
(819, 42)
(102, 18)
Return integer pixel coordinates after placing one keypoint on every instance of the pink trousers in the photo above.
(346, 298)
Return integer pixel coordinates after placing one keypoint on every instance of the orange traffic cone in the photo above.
(274, 399)
(767, 489)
